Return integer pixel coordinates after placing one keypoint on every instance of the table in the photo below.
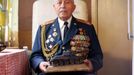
(14, 62)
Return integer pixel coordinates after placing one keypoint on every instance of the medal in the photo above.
(49, 36)
(75, 24)
(73, 48)
(50, 46)
(47, 41)
(81, 31)
(51, 39)
(54, 29)
(72, 43)
(53, 25)
(55, 34)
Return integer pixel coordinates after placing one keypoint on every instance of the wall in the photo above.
(25, 23)
(11, 32)
(133, 37)
(94, 13)
(112, 33)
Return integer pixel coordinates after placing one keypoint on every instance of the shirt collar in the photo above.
(61, 22)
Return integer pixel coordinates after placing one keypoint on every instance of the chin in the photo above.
(63, 17)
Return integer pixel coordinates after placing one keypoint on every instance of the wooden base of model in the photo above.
(68, 68)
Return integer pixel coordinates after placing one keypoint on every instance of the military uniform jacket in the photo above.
(52, 36)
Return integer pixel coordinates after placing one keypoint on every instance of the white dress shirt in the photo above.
(62, 26)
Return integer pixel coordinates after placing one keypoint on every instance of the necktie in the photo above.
(65, 29)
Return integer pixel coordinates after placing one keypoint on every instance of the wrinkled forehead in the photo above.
(61, 0)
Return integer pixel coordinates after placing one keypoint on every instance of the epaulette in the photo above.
(83, 21)
(47, 22)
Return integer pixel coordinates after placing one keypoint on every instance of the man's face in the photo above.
(64, 8)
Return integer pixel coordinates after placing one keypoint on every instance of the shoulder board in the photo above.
(47, 22)
(83, 21)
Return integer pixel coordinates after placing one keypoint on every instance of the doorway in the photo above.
(111, 24)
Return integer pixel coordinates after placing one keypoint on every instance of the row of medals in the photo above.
(80, 44)
(79, 47)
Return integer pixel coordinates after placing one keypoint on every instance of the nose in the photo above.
(63, 4)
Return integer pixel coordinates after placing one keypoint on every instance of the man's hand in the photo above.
(89, 64)
(43, 66)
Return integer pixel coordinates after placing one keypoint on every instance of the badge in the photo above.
(78, 54)
(52, 39)
(82, 31)
(55, 34)
(50, 46)
(73, 48)
(82, 48)
(49, 36)
(72, 43)
(75, 24)
(54, 29)
(47, 41)
(53, 25)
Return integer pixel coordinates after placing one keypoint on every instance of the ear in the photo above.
(74, 7)
(53, 6)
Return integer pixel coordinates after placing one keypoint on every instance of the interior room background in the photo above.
(110, 18)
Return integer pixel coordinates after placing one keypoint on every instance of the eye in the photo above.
(67, 2)
(59, 2)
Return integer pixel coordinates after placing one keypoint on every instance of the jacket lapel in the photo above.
(53, 35)
(72, 31)
(56, 25)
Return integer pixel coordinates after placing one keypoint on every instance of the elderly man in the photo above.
(63, 34)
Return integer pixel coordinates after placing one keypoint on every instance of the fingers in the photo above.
(43, 66)
(86, 62)
(89, 64)
(50, 66)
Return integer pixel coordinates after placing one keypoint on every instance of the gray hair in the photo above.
(55, 1)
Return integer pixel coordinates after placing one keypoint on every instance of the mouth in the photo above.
(63, 10)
